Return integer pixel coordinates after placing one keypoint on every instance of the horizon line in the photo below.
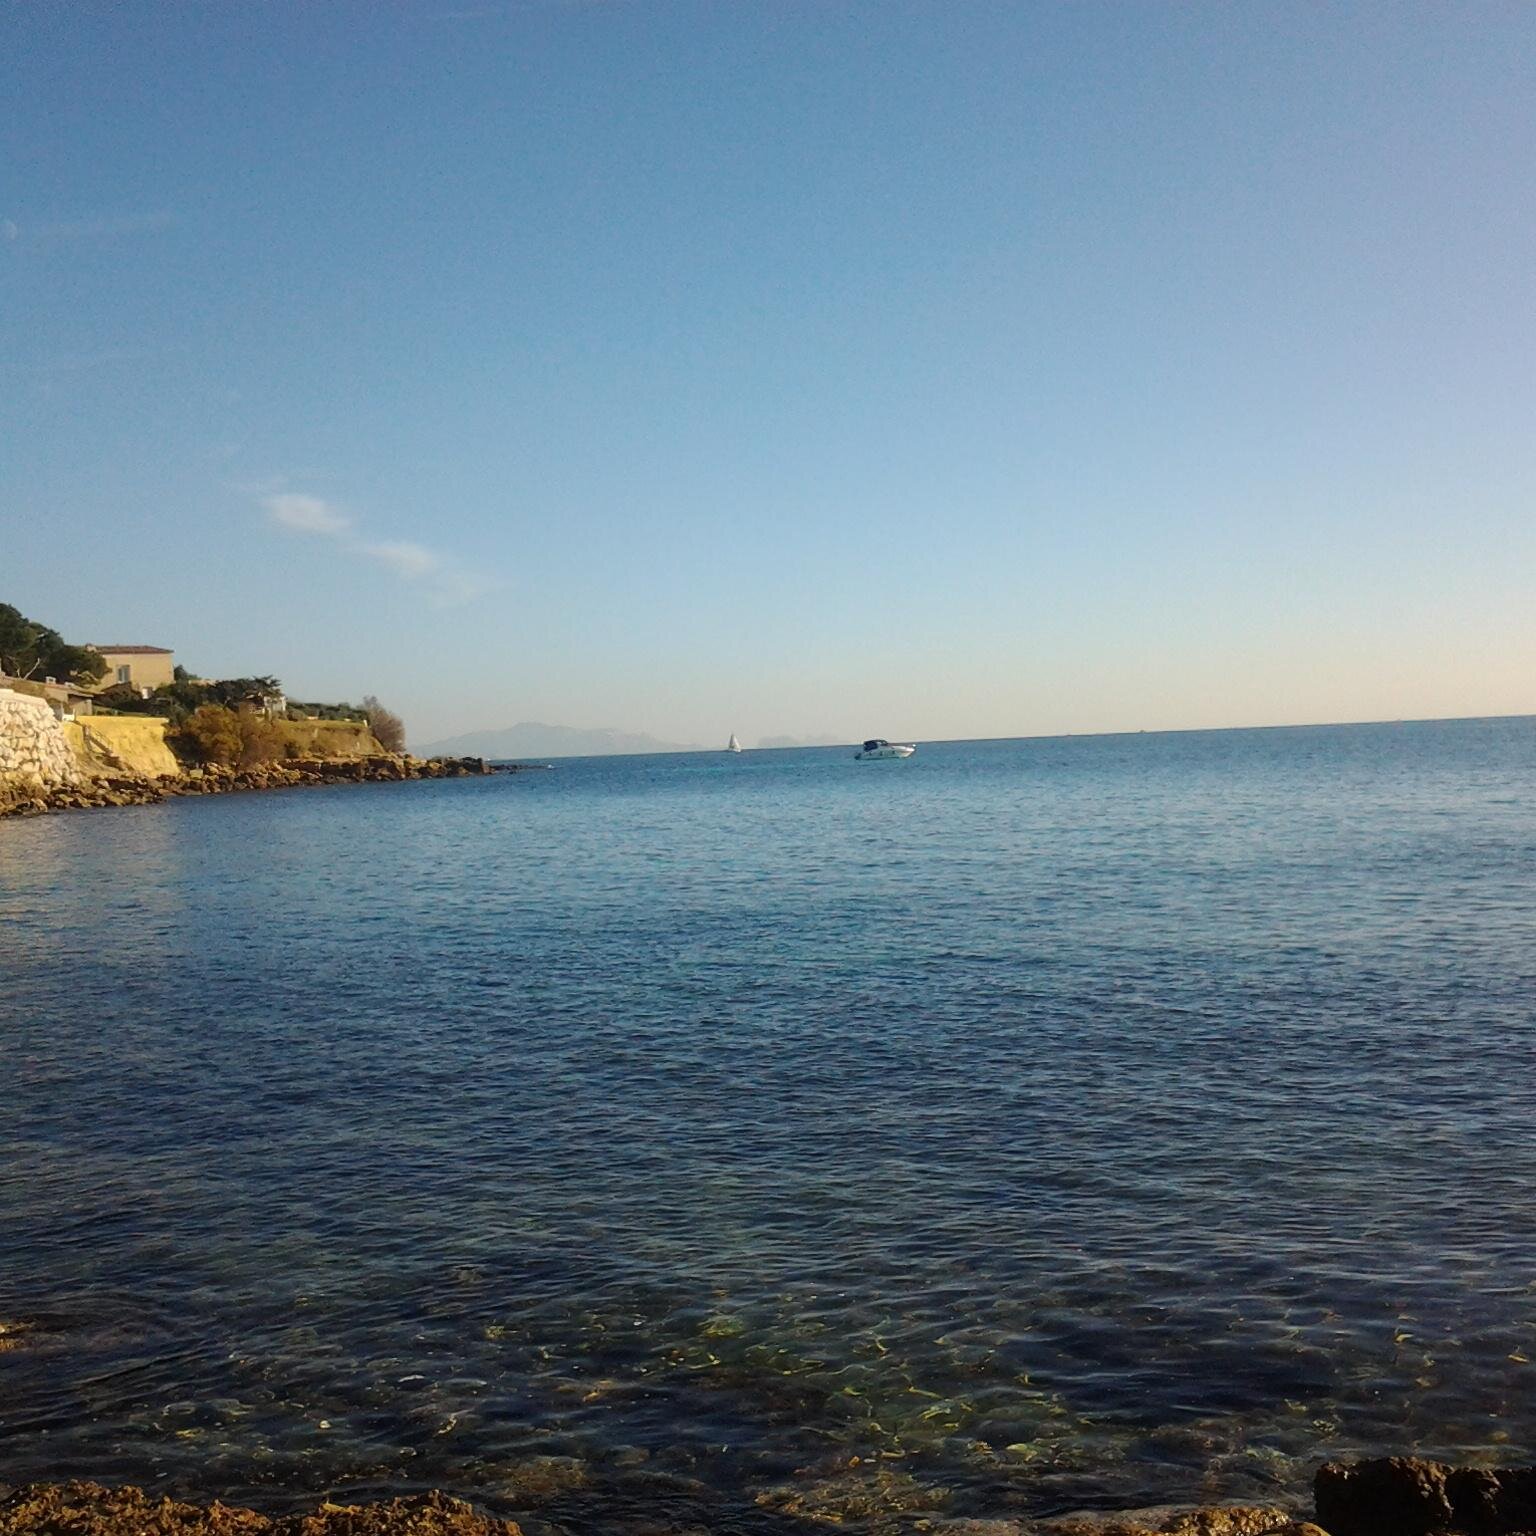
(939, 741)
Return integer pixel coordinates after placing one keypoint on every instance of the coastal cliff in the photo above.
(121, 744)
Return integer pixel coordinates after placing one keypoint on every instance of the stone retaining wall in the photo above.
(34, 755)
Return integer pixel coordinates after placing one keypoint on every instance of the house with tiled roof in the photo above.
(139, 666)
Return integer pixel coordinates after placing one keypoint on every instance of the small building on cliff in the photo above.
(69, 700)
(66, 700)
(139, 666)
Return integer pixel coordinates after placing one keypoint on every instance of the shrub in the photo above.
(261, 738)
(214, 733)
(385, 724)
(297, 710)
(210, 734)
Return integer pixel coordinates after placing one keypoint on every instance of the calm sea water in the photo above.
(745, 1142)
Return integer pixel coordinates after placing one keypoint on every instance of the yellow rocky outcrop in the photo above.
(121, 744)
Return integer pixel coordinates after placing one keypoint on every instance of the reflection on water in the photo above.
(763, 1141)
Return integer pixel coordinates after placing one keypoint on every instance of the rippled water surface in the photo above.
(752, 1142)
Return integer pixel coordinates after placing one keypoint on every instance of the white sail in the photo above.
(733, 745)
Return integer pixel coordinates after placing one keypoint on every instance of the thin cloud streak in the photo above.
(145, 222)
(306, 514)
(407, 559)
(445, 582)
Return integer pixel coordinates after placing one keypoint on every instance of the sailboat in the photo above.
(733, 745)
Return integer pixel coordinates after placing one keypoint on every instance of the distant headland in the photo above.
(123, 724)
(534, 739)
(531, 738)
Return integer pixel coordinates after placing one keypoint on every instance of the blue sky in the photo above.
(928, 370)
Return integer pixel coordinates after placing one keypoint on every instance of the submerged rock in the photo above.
(1179, 1520)
(862, 1491)
(540, 1479)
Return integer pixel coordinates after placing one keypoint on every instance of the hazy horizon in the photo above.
(782, 745)
(818, 370)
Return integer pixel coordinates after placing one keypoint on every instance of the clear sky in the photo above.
(928, 370)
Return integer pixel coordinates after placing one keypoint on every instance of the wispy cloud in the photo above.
(138, 223)
(306, 514)
(406, 559)
(453, 585)
(442, 578)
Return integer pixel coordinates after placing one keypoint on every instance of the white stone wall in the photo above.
(33, 751)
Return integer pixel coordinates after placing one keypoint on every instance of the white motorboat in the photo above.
(875, 750)
(733, 745)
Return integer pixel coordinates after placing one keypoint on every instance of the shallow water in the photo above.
(749, 1141)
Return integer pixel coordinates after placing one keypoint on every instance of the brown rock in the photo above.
(88, 1509)
(1501, 1500)
(426, 1514)
(538, 1479)
(1394, 1496)
(983, 1525)
(861, 1492)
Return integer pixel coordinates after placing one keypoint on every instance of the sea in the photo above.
(757, 1143)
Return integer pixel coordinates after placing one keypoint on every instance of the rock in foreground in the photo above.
(1400, 1496)
(88, 1509)
(1404, 1496)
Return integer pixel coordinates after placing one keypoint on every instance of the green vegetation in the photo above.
(210, 734)
(32, 650)
(297, 711)
(232, 738)
(178, 700)
(216, 735)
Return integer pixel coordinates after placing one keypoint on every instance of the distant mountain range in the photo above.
(529, 738)
(803, 741)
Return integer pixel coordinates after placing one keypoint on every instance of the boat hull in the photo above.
(880, 754)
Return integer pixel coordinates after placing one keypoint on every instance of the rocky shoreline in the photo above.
(135, 789)
(1398, 1496)
(88, 1509)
